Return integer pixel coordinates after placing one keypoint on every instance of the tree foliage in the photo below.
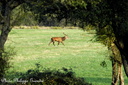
(58, 10)
(110, 18)
(21, 16)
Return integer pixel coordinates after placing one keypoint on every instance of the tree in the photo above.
(110, 16)
(6, 6)
(120, 27)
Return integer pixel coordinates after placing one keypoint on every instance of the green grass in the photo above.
(79, 53)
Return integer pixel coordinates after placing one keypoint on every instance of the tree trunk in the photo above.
(117, 74)
(114, 73)
(6, 6)
(5, 29)
(122, 45)
(120, 74)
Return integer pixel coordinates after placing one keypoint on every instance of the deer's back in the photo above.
(57, 39)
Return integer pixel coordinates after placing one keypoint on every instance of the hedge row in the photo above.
(43, 27)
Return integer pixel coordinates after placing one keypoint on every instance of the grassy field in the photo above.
(79, 53)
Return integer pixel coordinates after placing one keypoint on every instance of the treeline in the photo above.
(28, 15)
(48, 27)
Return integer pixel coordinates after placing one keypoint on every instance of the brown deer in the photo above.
(58, 39)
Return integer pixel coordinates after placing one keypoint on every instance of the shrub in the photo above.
(62, 76)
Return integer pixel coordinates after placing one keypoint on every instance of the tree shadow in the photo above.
(99, 80)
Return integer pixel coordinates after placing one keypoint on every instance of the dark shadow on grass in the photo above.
(99, 80)
(102, 80)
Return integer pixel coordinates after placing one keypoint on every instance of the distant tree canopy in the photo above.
(52, 12)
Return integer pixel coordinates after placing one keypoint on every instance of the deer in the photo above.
(58, 39)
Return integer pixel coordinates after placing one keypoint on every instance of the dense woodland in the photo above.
(108, 16)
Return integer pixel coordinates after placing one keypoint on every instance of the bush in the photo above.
(38, 76)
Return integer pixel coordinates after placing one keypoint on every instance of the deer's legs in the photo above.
(58, 43)
(62, 43)
(53, 43)
(50, 43)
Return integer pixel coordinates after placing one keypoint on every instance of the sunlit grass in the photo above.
(79, 53)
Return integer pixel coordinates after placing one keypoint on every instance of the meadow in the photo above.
(79, 53)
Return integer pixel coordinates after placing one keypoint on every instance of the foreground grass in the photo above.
(79, 53)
